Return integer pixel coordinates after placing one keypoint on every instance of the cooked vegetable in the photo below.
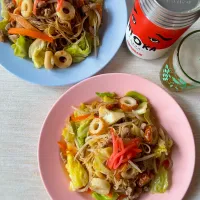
(105, 197)
(63, 147)
(30, 33)
(110, 117)
(161, 148)
(98, 165)
(107, 97)
(100, 186)
(80, 49)
(22, 21)
(160, 182)
(137, 96)
(82, 132)
(3, 24)
(78, 175)
(13, 38)
(122, 151)
(4, 10)
(80, 118)
(106, 94)
(69, 134)
(147, 117)
(142, 108)
(37, 52)
(21, 46)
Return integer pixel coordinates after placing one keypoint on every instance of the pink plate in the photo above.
(168, 111)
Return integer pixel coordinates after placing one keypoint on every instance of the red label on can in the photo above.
(148, 36)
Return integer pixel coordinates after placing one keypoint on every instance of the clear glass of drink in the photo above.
(181, 71)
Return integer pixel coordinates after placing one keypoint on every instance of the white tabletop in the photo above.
(24, 106)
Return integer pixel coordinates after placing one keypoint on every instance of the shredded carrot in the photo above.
(22, 21)
(59, 5)
(63, 146)
(80, 118)
(30, 33)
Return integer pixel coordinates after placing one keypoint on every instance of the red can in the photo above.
(153, 27)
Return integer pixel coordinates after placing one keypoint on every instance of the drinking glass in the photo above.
(181, 71)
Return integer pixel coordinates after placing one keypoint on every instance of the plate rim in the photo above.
(117, 74)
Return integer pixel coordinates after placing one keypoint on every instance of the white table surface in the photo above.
(24, 106)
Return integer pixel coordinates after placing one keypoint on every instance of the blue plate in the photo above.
(112, 34)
